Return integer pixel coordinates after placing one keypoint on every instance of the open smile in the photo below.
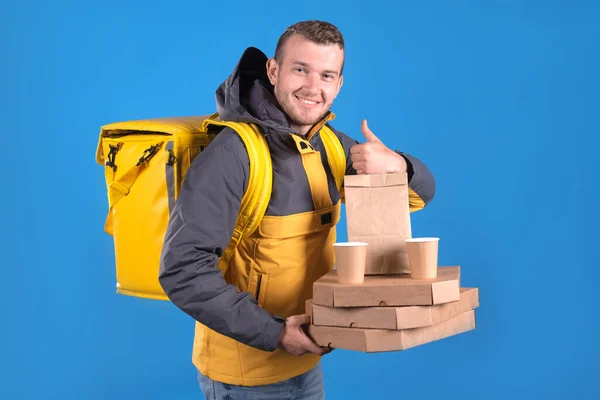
(307, 102)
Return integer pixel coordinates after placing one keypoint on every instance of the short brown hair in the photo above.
(320, 32)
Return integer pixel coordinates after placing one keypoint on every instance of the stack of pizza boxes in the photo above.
(389, 310)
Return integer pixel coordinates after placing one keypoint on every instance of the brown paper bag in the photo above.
(377, 212)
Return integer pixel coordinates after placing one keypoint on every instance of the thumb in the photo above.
(370, 136)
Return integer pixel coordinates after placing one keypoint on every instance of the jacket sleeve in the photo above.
(421, 181)
(198, 232)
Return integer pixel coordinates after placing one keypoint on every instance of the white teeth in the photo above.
(307, 101)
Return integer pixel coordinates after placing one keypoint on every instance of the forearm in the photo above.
(194, 284)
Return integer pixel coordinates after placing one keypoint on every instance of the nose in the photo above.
(311, 84)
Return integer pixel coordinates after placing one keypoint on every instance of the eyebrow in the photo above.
(328, 71)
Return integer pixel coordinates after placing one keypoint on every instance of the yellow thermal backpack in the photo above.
(145, 164)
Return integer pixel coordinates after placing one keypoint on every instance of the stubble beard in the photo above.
(294, 118)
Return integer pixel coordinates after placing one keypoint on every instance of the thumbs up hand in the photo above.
(373, 157)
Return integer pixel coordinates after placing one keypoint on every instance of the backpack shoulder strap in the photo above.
(335, 155)
(260, 182)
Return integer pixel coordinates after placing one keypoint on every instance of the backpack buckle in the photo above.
(112, 154)
(148, 153)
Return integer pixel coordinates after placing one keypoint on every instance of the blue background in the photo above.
(499, 98)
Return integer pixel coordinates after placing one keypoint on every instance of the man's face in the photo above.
(307, 80)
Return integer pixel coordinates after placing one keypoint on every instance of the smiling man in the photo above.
(250, 340)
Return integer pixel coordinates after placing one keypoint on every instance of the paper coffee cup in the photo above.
(423, 257)
(350, 261)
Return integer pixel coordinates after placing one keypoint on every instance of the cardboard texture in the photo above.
(378, 340)
(388, 290)
(377, 212)
(393, 318)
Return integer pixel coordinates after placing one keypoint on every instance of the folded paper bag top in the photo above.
(376, 180)
(377, 212)
(423, 239)
(350, 260)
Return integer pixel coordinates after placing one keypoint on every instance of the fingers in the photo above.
(359, 162)
(359, 166)
(302, 342)
(307, 342)
(356, 149)
(312, 347)
(301, 319)
(364, 148)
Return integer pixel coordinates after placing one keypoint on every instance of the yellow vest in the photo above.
(278, 264)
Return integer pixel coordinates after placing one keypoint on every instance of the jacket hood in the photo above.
(247, 94)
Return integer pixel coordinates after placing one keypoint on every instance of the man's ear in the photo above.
(272, 69)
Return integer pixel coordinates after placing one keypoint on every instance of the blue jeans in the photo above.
(308, 386)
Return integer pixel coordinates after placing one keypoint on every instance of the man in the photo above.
(250, 340)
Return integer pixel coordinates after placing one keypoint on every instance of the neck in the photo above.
(302, 130)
